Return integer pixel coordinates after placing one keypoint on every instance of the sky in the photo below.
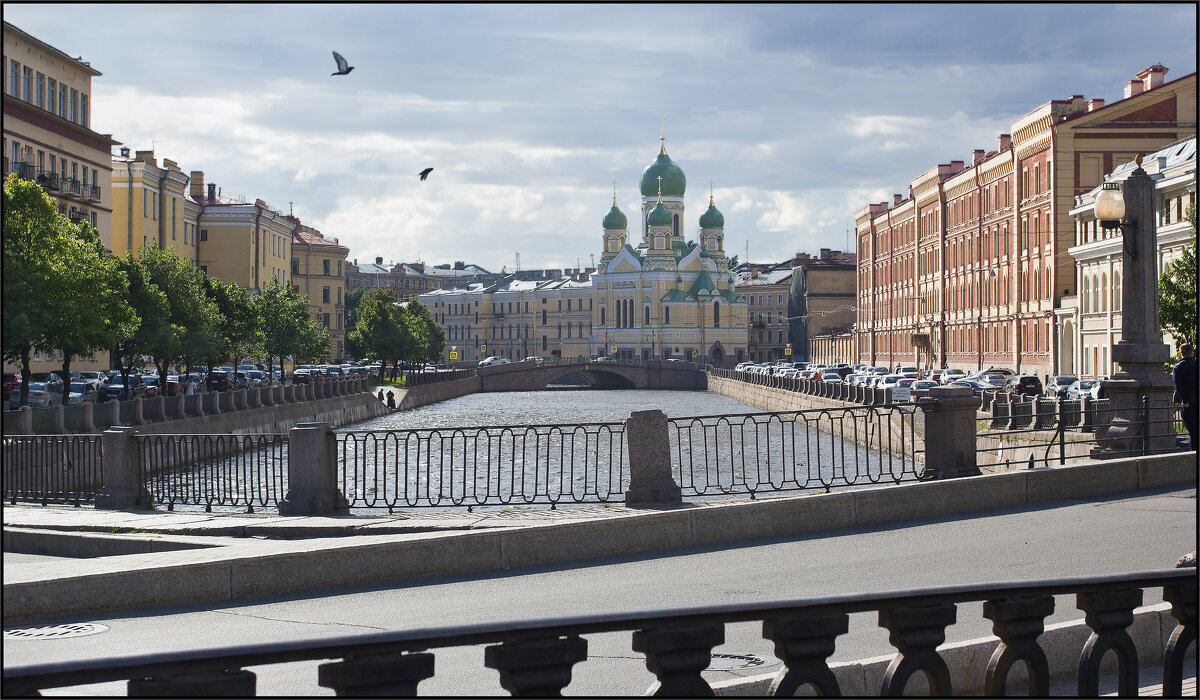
(798, 115)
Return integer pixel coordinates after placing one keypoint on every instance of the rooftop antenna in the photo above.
(518, 261)
(289, 208)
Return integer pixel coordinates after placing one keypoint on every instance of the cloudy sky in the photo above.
(798, 114)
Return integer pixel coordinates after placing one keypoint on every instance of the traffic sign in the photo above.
(787, 351)
(613, 349)
(483, 348)
(453, 355)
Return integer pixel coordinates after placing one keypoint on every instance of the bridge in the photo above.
(601, 373)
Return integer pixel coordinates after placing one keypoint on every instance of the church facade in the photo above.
(659, 295)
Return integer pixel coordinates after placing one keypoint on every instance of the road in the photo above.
(1127, 532)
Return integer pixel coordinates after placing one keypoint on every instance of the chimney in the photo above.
(825, 252)
(124, 151)
(379, 261)
(896, 199)
(197, 190)
(977, 156)
(1005, 143)
(146, 157)
(212, 193)
(1134, 87)
(1094, 104)
(753, 271)
(1153, 76)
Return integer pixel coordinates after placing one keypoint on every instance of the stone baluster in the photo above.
(916, 634)
(1182, 597)
(394, 675)
(312, 472)
(536, 667)
(1109, 613)
(677, 656)
(805, 643)
(1018, 622)
(122, 487)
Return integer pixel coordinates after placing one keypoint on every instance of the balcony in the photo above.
(91, 193)
(72, 188)
(25, 171)
(48, 180)
(77, 215)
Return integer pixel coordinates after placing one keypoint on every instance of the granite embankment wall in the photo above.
(279, 418)
(441, 391)
(778, 400)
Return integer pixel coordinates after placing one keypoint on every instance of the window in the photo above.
(83, 110)
(145, 203)
(647, 315)
(204, 237)
(154, 209)
(27, 84)
(601, 316)
(74, 105)
(51, 94)
(14, 76)
(39, 98)
(716, 314)
(62, 100)
(325, 267)
(666, 315)
(172, 218)
(85, 181)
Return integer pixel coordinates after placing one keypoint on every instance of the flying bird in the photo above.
(343, 67)
(425, 173)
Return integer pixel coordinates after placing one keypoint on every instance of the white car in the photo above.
(493, 360)
(950, 375)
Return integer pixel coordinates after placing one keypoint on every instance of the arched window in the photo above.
(602, 315)
(1116, 303)
(675, 225)
(1103, 294)
(646, 315)
(716, 314)
(666, 314)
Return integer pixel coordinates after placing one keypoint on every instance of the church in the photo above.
(663, 296)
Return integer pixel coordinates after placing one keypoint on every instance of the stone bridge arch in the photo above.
(603, 374)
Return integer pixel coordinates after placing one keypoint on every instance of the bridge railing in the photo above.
(537, 656)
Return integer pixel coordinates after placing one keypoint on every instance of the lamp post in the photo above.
(979, 326)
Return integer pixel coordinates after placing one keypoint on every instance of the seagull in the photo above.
(343, 67)
(425, 173)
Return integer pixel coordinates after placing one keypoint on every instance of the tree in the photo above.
(354, 298)
(189, 309)
(430, 338)
(287, 329)
(383, 330)
(1177, 292)
(240, 332)
(92, 294)
(151, 310)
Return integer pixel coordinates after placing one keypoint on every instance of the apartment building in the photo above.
(967, 270)
(241, 243)
(404, 280)
(48, 133)
(767, 289)
(1089, 322)
(318, 272)
(151, 206)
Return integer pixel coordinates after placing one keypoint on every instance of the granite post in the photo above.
(950, 431)
(122, 488)
(312, 472)
(649, 445)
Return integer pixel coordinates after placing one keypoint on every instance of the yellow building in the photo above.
(246, 244)
(318, 272)
(48, 138)
(150, 206)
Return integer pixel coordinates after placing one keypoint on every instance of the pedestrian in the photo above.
(391, 400)
(1183, 375)
(381, 394)
(189, 388)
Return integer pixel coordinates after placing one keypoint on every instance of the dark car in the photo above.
(301, 376)
(117, 390)
(12, 382)
(1025, 384)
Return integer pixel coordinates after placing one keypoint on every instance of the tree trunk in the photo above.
(66, 377)
(23, 399)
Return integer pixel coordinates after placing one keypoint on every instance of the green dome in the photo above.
(673, 181)
(712, 218)
(615, 220)
(660, 216)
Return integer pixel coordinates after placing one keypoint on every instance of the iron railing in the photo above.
(749, 453)
(52, 468)
(497, 465)
(424, 378)
(241, 471)
(1046, 440)
(536, 656)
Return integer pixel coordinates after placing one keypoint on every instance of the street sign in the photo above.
(453, 355)
(613, 349)
(751, 348)
(483, 348)
(787, 351)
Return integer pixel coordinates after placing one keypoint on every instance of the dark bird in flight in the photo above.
(425, 173)
(343, 67)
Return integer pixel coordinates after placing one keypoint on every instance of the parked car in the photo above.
(902, 389)
(1058, 385)
(950, 375)
(95, 377)
(1025, 384)
(497, 360)
(534, 360)
(334, 370)
(42, 395)
(921, 387)
(257, 377)
(117, 390)
(994, 381)
(1081, 388)
(889, 381)
(81, 392)
(50, 379)
(12, 382)
(302, 376)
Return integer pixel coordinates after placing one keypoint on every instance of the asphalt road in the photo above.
(1128, 532)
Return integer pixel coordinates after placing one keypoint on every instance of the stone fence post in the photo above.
(24, 420)
(649, 445)
(950, 440)
(312, 472)
(122, 488)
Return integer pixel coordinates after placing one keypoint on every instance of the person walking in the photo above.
(1183, 375)
(190, 388)
(391, 400)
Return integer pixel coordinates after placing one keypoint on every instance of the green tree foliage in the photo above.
(152, 311)
(354, 298)
(430, 338)
(1177, 292)
(189, 309)
(240, 333)
(383, 330)
(287, 329)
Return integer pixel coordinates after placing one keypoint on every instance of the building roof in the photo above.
(78, 61)
(303, 237)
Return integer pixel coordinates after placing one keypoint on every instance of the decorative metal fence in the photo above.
(499, 465)
(749, 453)
(52, 468)
(246, 471)
(535, 657)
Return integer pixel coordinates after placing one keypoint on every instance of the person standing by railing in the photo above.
(1183, 375)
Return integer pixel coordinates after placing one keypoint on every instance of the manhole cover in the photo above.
(56, 631)
(738, 662)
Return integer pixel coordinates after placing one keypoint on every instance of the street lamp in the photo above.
(979, 326)
(1110, 211)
